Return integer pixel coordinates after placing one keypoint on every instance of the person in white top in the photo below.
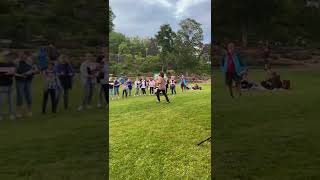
(152, 84)
(161, 87)
(143, 86)
(137, 87)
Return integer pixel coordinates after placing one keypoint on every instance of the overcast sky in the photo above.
(143, 17)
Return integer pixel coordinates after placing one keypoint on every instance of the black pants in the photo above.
(173, 89)
(143, 90)
(105, 88)
(125, 92)
(151, 90)
(52, 93)
(164, 93)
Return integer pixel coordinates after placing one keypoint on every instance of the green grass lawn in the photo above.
(159, 141)
(268, 135)
(69, 145)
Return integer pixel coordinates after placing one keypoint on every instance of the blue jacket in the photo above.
(42, 58)
(238, 65)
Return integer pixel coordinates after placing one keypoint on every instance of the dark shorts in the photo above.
(232, 77)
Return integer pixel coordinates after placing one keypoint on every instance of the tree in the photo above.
(189, 44)
(165, 39)
(111, 18)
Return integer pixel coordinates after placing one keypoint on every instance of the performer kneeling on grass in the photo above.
(161, 87)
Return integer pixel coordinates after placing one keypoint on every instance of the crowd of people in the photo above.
(236, 73)
(145, 86)
(17, 70)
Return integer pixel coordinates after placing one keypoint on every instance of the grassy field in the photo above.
(268, 135)
(159, 141)
(69, 145)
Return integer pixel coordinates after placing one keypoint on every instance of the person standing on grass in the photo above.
(111, 88)
(143, 86)
(266, 57)
(24, 74)
(65, 74)
(7, 72)
(137, 87)
(129, 85)
(87, 80)
(161, 87)
(173, 85)
(124, 90)
(232, 68)
(183, 83)
(102, 83)
(152, 85)
(51, 84)
(116, 85)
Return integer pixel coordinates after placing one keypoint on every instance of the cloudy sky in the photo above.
(144, 17)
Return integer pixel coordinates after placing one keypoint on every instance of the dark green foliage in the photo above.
(60, 21)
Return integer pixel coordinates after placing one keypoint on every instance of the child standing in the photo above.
(143, 86)
(129, 85)
(173, 85)
(124, 90)
(51, 84)
(152, 85)
(111, 88)
(137, 86)
(116, 85)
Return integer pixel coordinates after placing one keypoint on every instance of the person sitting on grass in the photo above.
(161, 87)
(116, 85)
(7, 72)
(247, 84)
(232, 68)
(273, 81)
(196, 87)
(137, 87)
(51, 84)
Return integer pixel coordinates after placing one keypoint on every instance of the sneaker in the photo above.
(158, 101)
(99, 106)
(168, 102)
(80, 108)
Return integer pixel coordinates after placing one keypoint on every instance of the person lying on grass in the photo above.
(232, 67)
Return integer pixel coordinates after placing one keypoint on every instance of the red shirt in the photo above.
(230, 65)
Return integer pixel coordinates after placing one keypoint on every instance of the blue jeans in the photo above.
(24, 92)
(6, 92)
(116, 91)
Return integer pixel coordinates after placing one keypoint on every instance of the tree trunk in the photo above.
(244, 35)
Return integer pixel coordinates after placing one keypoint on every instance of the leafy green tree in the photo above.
(165, 39)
